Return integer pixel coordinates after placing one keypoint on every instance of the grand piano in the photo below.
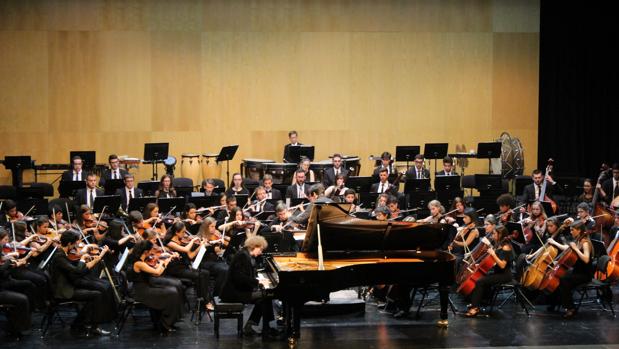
(357, 252)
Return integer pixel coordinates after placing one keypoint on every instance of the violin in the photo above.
(217, 237)
(154, 258)
(13, 247)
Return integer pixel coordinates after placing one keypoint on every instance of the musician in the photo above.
(394, 209)
(309, 173)
(381, 200)
(166, 189)
(56, 218)
(381, 213)
(587, 191)
(75, 173)
(12, 214)
(583, 215)
(336, 191)
(129, 191)
(267, 183)
(467, 236)
(457, 210)
(316, 196)
(292, 137)
(581, 272)
(152, 219)
(350, 195)
(386, 162)
(137, 225)
(506, 204)
(534, 228)
(114, 171)
(298, 190)
(281, 219)
(524, 259)
(208, 187)
(223, 215)
(436, 213)
(532, 191)
(500, 251)
(260, 204)
(166, 299)
(609, 189)
(383, 186)
(87, 196)
(448, 167)
(241, 285)
(66, 276)
(238, 228)
(418, 171)
(190, 215)
(237, 186)
(213, 261)
(330, 174)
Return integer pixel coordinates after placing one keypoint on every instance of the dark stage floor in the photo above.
(506, 327)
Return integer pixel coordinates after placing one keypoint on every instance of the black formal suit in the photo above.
(124, 202)
(275, 194)
(287, 155)
(81, 196)
(265, 206)
(68, 175)
(107, 175)
(392, 189)
(241, 279)
(292, 191)
(607, 186)
(412, 173)
(442, 173)
(328, 178)
(377, 169)
(528, 193)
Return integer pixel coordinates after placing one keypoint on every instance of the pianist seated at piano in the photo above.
(241, 285)
(75, 173)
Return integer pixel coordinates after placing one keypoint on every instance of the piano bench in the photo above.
(228, 311)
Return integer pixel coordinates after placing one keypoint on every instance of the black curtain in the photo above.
(578, 101)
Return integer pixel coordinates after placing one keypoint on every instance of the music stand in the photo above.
(298, 201)
(68, 188)
(361, 184)
(41, 206)
(111, 201)
(414, 185)
(138, 204)
(89, 158)
(297, 152)
(516, 233)
(488, 183)
(17, 164)
(111, 185)
(155, 152)
(30, 192)
(435, 151)
(406, 153)
(204, 201)
(241, 199)
(166, 204)
(226, 154)
(148, 187)
(491, 150)
(420, 199)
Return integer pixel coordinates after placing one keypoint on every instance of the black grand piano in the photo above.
(357, 252)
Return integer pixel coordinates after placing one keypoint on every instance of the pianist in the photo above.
(241, 285)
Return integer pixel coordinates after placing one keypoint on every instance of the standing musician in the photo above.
(309, 173)
(267, 183)
(69, 283)
(129, 191)
(336, 191)
(87, 196)
(609, 190)
(581, 272)
(418, 171)
(468, 235)
(386, 162)
(237, 186)
(501, 252)
(506, 204)
(587, 191)
(114, 172)
(75, 173)
(299, 190)
(448, 167)
(260, 204)
(383, 186)
(292, 137)
(330, 174)
(145, 271)
(208, 187)
(166, 189)
(534, 228)
(532, 191)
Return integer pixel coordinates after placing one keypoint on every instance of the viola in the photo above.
(154, 258)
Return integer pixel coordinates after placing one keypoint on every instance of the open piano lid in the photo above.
(342, 232)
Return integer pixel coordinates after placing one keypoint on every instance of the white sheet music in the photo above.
(198, 259)
(123, 259)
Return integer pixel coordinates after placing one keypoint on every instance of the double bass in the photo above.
(604, 217)
(542, 194)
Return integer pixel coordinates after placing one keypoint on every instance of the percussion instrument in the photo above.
(352, 164)
(128, 162)
(254, 168)
(170, 165)
(319, 168)
(282, 172)
(190, 167)
(210, 167)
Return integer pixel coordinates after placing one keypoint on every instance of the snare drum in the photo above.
(281, 172)
(210, 167)
(190, 167)
(319, 169)
(254, 168)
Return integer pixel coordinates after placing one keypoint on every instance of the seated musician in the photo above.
(267, 183)
(239, 229)
(501, 252)
(336, 191)
(114, 171)
(241, 285)
(165, 299)
(532, 191)
(281, 219)
(75, 173)
(381, 213)
(418, 171)
(581, 272)
(381, 200)
(68, 281)
(534, 228)
(11, 213)
(292, 137)
(260, 204)
(152, 218)
(316, 196)
(237, 186)
(299, 190)
(213, 260)
(457, 210)
(208, 187)
(467, 236)
(506, 204)
(56, 218)
(394, 209)
(224, 215)
(331, 173)
(383, 185)
(436, 213)
(128, 192)
(309, 173)
(350, 196)
(86, 196)
(583, 215)
(448, 167)
(386, 162)
(137, 225)
(190, 215)
(524, 259)
(166, 189)
(587, 191)
(609, 189)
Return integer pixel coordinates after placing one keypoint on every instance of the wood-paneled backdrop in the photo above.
(356, 77)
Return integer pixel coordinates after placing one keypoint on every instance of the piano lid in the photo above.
(342, 232)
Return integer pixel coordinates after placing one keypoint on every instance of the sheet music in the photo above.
(123, 259)
(196, 262)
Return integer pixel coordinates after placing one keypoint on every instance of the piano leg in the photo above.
(443, 290)
(292, 318)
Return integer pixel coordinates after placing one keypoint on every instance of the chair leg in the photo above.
(216, 326)
(123, 318)
(239, 324)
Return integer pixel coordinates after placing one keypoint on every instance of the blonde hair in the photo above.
(437, 203)
(204, 227)
(256, 241)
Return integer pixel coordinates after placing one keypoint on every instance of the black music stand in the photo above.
(17, 164)
(297, 152)
(420, 199)
(166, 204)
(111, 185)
(89, 158)
(68, 188)
(488, 183)
(156, 152)
(241, 199)
(138, 204)
(30, 192)
(414, 185)
(517, 235)
(149, 187)
(226, 154)
(435, 151)
(361, 184)
(447, 187)
(111, 202)
(298, 201)
(489, 151)
(204, 201)
(34, 206)
(406, 153)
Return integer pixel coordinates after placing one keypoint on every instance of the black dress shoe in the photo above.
(401, 314)
(99, 331)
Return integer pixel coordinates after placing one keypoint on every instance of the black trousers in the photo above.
(16, 293)
(218, 269)
(263, 308)
(200, 278)
(105, 309)
(567, 284)
(483, 286)
(39, 279)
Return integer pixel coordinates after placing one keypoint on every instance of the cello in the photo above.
(480, 263)
(562, 264)
(611, 273)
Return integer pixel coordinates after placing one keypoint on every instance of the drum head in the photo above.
(170, 161)
(190, 155)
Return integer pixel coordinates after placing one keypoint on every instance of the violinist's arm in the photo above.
(96, 259)
(27, 240)
(124, 240)
(557, 245)
(226, 226)
(178, 248)
(145, 268)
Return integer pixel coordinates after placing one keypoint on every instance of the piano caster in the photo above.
(443, 323)
(292, 342)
